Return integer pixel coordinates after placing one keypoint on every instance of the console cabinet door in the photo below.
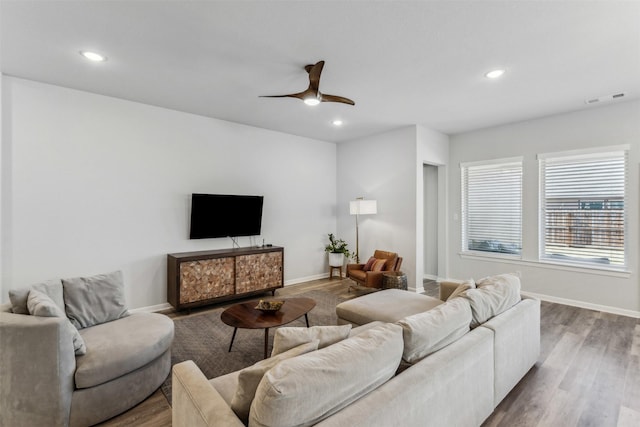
(206, 279)
(258, 271)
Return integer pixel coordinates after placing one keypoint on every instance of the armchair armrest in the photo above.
(37, 368)
(355, 267)
(196, 403)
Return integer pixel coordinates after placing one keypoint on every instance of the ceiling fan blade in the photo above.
(314, 75)
(301, 95)
(334, 98)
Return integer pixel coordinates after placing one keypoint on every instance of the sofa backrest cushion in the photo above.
(52, 288)
(493, 295)
(289, 337)
(390, 257)
(427, 332)
(94, 300)
(464, 286)
(39, 304)
(249, 378)
(307, 389)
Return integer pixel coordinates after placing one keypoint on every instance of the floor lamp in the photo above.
(359, 207)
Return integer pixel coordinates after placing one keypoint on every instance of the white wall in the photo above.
(94, 184)
(432, 148)
(615, 124)
(388, 167)
(430, 210)
(380, 167)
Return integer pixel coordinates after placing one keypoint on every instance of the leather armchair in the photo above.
(373, 279)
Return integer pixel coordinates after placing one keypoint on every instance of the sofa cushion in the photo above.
(493, 295)
(249, 378)
(122, 346)
(52, 288)
(306, 389)
(289, 337)
(389, 305)
(39, 304)
(464, 286)
(427, 332)
(94, 300)
(226, 385)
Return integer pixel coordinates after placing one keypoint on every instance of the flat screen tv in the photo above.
(223, 215)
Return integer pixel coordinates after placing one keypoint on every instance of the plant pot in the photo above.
(336, 259)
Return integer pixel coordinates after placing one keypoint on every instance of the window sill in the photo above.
(553, 265)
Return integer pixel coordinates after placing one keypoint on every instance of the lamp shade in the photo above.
(363, 207)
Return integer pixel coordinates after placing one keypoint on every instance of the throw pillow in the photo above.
(378, 265)
(51, 288)
(464, 286)
(94, 300)
(39, 304)
(288, 337)
(427, 332)
(493, 295)
(249, 378)
(369, 264)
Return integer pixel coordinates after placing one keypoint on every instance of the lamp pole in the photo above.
(357, 242)
(364, 207)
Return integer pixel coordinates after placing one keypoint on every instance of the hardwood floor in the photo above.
(588, 373)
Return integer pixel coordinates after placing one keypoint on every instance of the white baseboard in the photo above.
(152, 308)
(587, 305)
(417, 289)
(306, 279)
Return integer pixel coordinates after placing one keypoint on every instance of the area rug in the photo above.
(204, 339)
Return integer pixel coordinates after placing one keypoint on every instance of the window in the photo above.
(492, 206)
(582, 202)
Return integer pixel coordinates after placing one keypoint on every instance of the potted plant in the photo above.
(337, 250)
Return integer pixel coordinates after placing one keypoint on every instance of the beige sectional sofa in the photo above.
(455, 375)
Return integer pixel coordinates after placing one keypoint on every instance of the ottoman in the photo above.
(389, 305)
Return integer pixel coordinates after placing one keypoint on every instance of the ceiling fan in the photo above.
(313, 96)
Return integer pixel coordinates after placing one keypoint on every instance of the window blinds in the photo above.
(492, 207)
(582, 201)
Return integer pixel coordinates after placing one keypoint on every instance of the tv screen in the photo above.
(222, 215)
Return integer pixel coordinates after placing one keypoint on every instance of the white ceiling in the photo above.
(403, 63)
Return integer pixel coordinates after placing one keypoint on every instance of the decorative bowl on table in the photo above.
(269, 306)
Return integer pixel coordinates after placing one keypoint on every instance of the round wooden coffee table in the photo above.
(245, 316)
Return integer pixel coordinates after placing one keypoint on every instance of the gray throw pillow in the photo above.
(51, 288)
(94, 300)
(39, 304)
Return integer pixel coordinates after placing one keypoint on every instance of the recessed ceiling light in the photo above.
(93, 56)
(337, 122)
(494, 74)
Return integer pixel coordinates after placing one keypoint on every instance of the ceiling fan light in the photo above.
(494, 74)
(311, 101)
(93, 56)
